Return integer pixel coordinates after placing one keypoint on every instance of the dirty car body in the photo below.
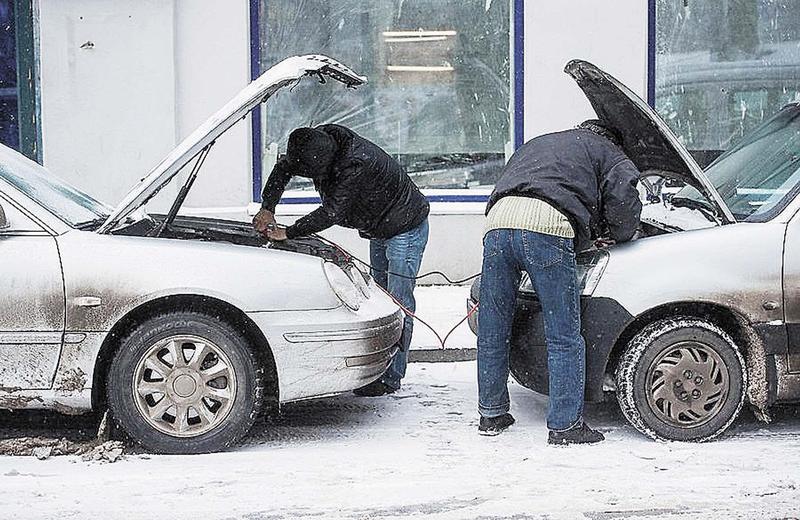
(82, 282)
(702, 313)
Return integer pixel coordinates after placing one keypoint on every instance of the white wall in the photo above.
(610, 34)
(212, 64)
(155, 71)
(108, 109)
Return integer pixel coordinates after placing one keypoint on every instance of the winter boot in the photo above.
(578, 434)
(495, 425)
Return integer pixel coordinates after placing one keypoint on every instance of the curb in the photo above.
(439, 355)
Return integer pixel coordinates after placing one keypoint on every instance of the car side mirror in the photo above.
(4, 224)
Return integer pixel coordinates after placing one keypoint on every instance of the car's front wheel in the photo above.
(681, 379)
(184, 382)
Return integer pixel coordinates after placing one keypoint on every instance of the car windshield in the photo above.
(63, 200)
(759, 175)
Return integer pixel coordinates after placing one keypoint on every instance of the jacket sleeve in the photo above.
(620, 198)
(276, 184)
(334, 207)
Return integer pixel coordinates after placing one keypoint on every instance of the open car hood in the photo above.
(285, 73)
(646, 138)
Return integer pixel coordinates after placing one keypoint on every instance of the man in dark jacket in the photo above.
(557, 194)
(363, 188)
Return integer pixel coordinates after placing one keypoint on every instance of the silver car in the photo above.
(702, 313)
(186, 328)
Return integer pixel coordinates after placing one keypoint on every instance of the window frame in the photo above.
(302, 200)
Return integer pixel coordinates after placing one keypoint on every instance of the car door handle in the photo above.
(88, 301)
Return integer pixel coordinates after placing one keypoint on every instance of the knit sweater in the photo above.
(529, 214)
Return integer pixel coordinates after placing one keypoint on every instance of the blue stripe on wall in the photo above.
(519, 73)
(255, 119)
(651, 53)
(431, 198)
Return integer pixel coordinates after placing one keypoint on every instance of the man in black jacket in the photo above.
(363, 188)
(557, 194)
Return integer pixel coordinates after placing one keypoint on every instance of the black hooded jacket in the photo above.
(360, 185)
(583, 175)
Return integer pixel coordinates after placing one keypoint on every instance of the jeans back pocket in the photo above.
(543, 250)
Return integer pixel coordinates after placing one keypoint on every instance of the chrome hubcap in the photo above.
(184, 386)
(687, 384)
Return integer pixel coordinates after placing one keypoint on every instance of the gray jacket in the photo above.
(583, 175)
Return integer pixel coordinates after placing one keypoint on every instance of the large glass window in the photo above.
(724, 66)
(439, 83)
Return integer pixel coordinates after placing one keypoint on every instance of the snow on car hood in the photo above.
(285, 73)
(646, 138)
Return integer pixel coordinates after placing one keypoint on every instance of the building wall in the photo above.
(157, 68)
(123, 82)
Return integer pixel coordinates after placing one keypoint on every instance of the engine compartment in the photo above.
(239, 233)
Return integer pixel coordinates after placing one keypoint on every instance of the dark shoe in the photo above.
(578, 434)
(495, 425)
(374, 389)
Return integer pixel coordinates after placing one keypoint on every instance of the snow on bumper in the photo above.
(329, 351)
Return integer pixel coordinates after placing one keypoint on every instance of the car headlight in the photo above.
(360, 280)
(342, 285)
(590, 267)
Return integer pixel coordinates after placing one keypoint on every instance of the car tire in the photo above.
(198, 405)
(681, 379)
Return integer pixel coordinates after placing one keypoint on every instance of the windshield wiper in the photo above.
(707, 210)
(91, 224)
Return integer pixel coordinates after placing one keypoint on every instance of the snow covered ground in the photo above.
(442, 307)
(416, 454)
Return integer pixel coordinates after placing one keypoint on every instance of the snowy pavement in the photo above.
(416, 454)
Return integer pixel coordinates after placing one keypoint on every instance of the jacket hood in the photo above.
(646, 138)
(311, 151)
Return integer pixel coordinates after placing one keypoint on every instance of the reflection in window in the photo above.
(722, 68)
(438, 91)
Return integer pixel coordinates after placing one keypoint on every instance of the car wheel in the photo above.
(681, 379)
(185, 382)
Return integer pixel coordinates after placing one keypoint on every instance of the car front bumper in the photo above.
(330, 351)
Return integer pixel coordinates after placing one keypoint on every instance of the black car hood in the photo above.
(646, 138)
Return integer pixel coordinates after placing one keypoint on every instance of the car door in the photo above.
(31, 301)
(791, 290)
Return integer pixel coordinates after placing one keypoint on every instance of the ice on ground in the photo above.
(416, 454)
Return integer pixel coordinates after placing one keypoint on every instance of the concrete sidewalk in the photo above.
(442, 306)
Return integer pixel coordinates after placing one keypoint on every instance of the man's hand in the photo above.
(276, 234)
(601, 243)
(263, 221)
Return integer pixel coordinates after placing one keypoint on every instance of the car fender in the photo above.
(107, 276)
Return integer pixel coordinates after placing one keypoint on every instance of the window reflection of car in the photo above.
(711, 104)
(186, 328)
(703, 314)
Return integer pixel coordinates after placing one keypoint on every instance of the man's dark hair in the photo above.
(603, 129)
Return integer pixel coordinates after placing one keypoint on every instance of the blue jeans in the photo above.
(550, 263)
(401, 256)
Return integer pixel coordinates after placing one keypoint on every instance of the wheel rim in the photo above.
(184, 386)
(687, 384)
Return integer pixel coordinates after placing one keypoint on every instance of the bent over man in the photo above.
(363, 188)
(554, 197)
